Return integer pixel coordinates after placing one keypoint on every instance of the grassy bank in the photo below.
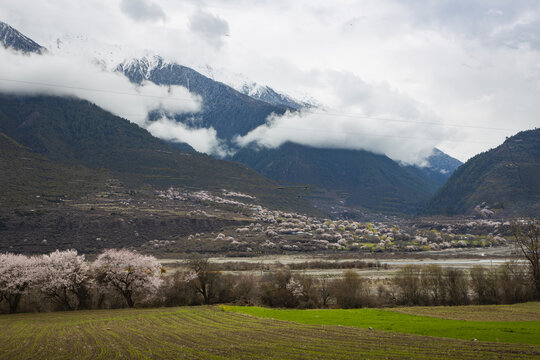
(526, 332)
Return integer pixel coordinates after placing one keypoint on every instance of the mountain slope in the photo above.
(26, 177)
(13, 39)
(439, 168)
(226, 110)
(73, 131)
(368, 180)
(232, 113)
(505, 178)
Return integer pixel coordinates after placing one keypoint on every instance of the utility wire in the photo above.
(96, 90)
(323, 113)
(332, 113)
(386, 135)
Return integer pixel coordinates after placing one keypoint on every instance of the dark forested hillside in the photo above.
(26, 177)
(372, 181)
(76, 132)
(505, 178)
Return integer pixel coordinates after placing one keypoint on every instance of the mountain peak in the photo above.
(10, 38)
(140, 68)
(442, 162)
(246, 86)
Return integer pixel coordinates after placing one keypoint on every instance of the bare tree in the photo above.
(351, 291)
(203, 277)
(527, 239)
(324, 290)
(408, 282)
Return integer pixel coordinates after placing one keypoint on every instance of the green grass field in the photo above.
(211, 333)
(526, 332)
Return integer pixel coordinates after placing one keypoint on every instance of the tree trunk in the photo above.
(129, 300)
(14, 303)
(82, 298)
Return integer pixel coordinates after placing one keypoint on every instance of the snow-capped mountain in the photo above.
(269, 95)
(246, 86)
(226, 110)
(439, 166)
(443, 163)
(13, 39)
(139, 69)
(106, 55)
(232, 112)
(109, 56)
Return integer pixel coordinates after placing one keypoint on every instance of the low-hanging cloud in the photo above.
(142, 10)
(371, 117)
(67, 76)
(201, 139)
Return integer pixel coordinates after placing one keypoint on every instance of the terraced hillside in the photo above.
(28, 178)
(76, 132)
(208, 333)
(362, 178)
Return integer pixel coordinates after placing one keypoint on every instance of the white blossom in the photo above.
(128, 272)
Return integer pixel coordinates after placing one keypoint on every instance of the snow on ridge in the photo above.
(110, 56)
(12, 38)
(247, 86)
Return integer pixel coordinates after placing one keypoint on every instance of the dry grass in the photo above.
(516, 312)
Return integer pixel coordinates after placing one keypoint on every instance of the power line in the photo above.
(323, 113)
(95, 90)
(392, 136)
(355, 133)
(332, 113)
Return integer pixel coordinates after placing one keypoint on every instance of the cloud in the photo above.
(494, 22)
(201, 139)
(472, 62)
(400, 142)
(67, 76)
(371, 117)
(209, 27)
(142, 10)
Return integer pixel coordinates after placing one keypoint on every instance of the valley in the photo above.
(155, 210)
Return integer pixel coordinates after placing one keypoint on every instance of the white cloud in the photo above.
(209, 27)
(68, 76)
(142, 10)
(201, 139)
(471, 62)
(399, 141)
(361, 116)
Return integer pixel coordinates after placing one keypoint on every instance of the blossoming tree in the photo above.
(16, 274)
(64, 277)
(128, 273)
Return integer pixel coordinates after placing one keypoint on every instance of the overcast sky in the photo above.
(432, 65)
